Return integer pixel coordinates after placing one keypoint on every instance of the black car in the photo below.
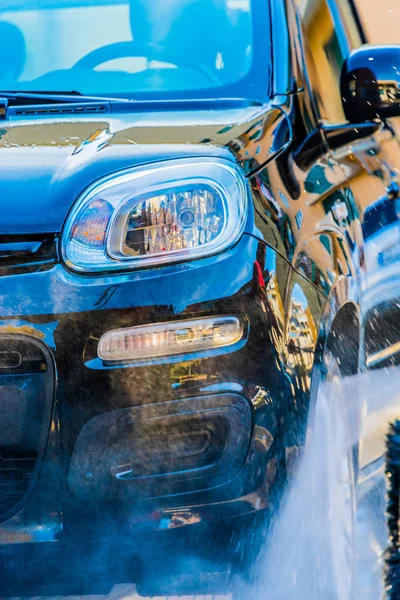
(199, 237)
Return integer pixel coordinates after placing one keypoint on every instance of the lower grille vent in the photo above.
(15, 478)
(22, 253)
(26, 403)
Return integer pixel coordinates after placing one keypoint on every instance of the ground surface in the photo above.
(370, 526)
(380, 391)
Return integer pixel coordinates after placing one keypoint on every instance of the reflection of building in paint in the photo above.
(276, 306)
(274, 299)
(311, 324)
(296, 348)
(301, 342)
(299, 327)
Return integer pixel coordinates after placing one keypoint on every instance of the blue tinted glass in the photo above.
(128, 47)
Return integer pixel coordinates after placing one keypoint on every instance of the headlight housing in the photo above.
(166, 212)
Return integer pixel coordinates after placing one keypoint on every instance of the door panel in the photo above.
(351, 246)
(316, 231)
(372, 169)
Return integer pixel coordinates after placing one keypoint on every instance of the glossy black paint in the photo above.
(319, 253)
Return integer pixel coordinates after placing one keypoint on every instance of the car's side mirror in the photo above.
(370, 83)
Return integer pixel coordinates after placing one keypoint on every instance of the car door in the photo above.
(367, 214)
(301, 198)
(328, 234)
(328, 32)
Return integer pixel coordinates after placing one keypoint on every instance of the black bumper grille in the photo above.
(15, 479)
(27, 381)
(27, 253)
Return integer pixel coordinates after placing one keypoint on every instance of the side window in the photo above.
(352, 25)
(329, 33)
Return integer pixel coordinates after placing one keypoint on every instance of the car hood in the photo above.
(46, 164)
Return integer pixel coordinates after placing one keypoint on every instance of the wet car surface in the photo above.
(185, 276)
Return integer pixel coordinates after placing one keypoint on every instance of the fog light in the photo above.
(169, 339)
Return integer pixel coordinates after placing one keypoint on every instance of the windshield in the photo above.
(136, 48)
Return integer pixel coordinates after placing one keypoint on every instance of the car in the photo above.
(190, 195)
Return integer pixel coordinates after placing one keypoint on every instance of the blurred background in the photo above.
(381, 20)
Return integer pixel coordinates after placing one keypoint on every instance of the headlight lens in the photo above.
(167, 212)
(168, 222)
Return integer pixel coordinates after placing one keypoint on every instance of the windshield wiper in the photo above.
(33, 99)
(25, 98)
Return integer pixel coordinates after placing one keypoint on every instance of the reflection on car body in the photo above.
(194, 236)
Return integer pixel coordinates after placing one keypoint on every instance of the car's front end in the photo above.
(145, 398)
(137, 397)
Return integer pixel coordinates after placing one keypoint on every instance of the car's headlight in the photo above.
(165, 212)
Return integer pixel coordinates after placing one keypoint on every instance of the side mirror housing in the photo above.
(370, 83)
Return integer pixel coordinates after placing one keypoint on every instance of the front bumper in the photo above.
(152, 447)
